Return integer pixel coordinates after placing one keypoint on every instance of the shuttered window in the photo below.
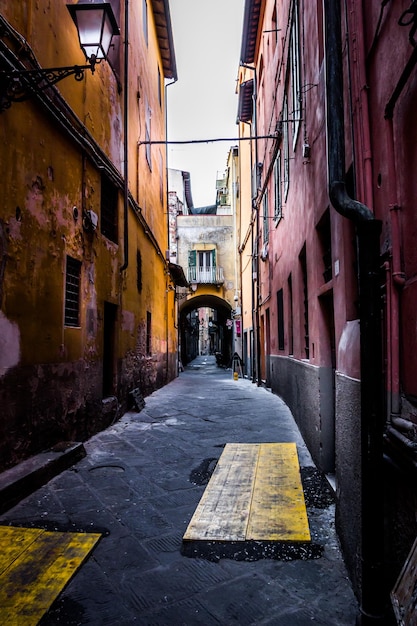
(108, 209)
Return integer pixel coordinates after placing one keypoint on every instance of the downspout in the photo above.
(176, 325)
(257, 370)
(368, 231)
(125, 147)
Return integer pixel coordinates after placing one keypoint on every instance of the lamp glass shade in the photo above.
(96, 26)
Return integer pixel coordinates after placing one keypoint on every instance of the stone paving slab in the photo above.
(139, 485)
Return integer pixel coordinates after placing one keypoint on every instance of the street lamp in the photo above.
(96, 26)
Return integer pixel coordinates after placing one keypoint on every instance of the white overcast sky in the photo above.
(202, 104)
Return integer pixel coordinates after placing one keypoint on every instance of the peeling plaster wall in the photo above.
(51, 375)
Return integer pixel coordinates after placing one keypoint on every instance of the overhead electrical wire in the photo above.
(212, 140)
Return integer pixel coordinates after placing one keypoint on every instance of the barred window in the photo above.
(72, 292)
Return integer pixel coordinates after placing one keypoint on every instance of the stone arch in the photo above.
(220, 332)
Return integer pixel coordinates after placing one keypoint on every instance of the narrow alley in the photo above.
(139, 485)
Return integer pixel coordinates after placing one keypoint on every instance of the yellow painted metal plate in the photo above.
(255, 493)
(35, 565)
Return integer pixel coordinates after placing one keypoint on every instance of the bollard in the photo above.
(235, 376)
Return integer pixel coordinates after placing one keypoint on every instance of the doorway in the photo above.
(109, 342)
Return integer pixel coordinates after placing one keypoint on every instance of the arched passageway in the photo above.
(206, 328)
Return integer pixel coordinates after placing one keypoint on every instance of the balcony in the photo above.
(205, 275)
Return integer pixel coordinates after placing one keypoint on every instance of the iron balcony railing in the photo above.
(205, 275)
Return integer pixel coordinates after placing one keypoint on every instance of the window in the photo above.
(295, 74)
(145, 19)
(280, 311)
(325, 243)
(303, 264)
(72, 292)
(290, 317)
(206, 266)
(320, 30)
(286, 146)
(202, 266)
(148, 333)
(274, 27)
(265, 206)
(277, 188)
(161, 177)
(148, 115)
(108, 209)
(159, 87)
(139, 271)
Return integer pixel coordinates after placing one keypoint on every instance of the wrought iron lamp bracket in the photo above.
(20, 85)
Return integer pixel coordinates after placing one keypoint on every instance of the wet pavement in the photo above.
(140, 484)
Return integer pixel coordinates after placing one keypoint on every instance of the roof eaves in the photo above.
(177, 274)
(250, 30)
(163, 25)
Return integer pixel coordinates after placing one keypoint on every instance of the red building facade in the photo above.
(327, 92)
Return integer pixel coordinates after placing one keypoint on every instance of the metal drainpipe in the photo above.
(168, 243)
(257, 286)
(125, 147)
(373, 598)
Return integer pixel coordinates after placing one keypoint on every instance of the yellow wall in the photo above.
(52, 159)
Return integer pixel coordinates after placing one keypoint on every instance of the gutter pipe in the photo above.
(176, 324)
(368, 229)
(256, 374)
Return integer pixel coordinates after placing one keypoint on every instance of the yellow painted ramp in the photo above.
(35, 565)
(255, 493)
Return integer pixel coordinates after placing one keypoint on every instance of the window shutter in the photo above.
(213, 258)
(192, 258)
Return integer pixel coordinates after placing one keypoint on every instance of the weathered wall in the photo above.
(197, 231)
(53, 157)
(306, 389)
(348, 471)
